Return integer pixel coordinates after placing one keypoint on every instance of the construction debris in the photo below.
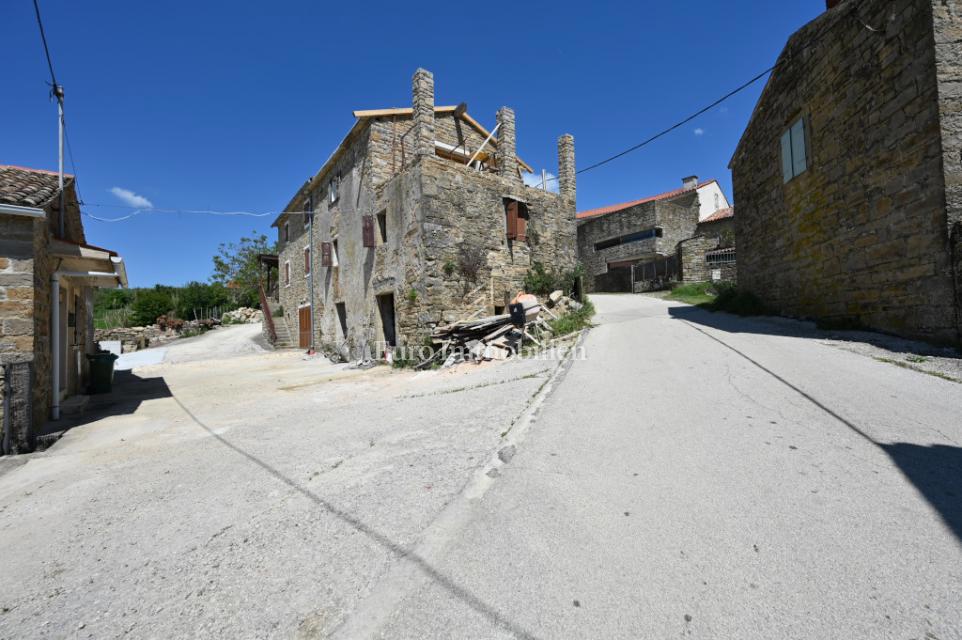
(497, 337)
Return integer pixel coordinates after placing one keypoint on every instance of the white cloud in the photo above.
(699, 131)
(131, 198)
(534, 180)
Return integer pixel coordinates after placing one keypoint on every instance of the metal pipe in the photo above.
(55, 345)
(484, 144)
(6, 425)
(58, 91)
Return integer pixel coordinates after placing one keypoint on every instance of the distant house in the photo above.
(47, 276)
(848, 176)
(419, 217)
(635, 245)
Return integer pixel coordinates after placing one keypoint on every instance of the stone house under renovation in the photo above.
(47, 276)
(419, 217)
(848, 177)
(636, 246)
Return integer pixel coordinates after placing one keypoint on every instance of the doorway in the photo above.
(385, 307)
(304, 327)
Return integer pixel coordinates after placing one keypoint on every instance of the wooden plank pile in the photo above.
(493, 337)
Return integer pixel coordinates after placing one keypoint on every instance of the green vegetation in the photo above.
(238, 269)
(573, 321)
(235, 283)
(449, 267)
(719, 296)
(412, 295)
(697, 293)
(540, 281)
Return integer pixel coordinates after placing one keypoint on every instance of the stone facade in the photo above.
(440, 247)
(670, 221)
(29, 225)
(866, 232)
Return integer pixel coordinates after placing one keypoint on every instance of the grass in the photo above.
(574, 321)
(719, 296)
(906, 365)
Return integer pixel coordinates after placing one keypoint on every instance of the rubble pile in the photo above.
(243, 315)
(499, 337)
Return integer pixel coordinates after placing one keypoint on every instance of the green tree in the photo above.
(195, 296)
(237, 268)
(150, 304)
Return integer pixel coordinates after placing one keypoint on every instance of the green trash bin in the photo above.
(101, 371)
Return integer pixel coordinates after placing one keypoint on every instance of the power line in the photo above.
(46, 49)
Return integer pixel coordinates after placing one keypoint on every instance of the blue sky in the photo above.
(232, 105)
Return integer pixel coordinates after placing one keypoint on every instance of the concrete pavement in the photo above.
(704, 476)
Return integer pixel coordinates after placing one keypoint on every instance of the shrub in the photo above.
(574, 321)
(540, 281)
(150, 304)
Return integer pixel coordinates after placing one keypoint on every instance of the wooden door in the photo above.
(304, 327)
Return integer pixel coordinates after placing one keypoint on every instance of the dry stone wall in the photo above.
(864, 232)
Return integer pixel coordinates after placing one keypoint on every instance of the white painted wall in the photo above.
(710, 199)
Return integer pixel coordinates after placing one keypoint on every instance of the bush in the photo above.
(150, 304)
(734, 300)
(195, 296)
(574, 321)
(540, 281)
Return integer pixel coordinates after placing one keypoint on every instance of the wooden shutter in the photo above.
(307, 259)
(521, 223)
(367, 231)
(325, 254)
(511, 215)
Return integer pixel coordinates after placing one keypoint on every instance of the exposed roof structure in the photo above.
(25, 187)
(721, 214)
(668, 195)
(369, 114)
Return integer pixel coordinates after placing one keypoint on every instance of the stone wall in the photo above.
(863, 233)
(947, 23)
(691, 258)
(677, 218)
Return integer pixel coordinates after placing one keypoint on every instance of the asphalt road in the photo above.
(696, 475)
(703, 476)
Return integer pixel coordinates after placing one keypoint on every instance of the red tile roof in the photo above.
(721, 214)
(600, 211)
(28, 187)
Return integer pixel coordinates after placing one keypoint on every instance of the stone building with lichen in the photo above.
(646, 244)
(848, 177)
(421, 216)
(48, 274)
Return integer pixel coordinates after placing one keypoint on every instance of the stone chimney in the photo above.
(507, 145)
(691, 182)
(566, 166)
(422, 88)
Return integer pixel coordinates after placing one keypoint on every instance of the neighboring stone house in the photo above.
(710, 254)
(633, 246)
(419, 217)
(47, 276)
(848, 177)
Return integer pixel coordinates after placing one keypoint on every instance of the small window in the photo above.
(287, 273)
(382, 225)
(286, 234)
(332, 188)
(794, 150)
(307, 261)
(309, 211)
(334, 261)
(717, 202)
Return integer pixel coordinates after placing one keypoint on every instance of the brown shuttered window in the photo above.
(511, 218)
(307, 260)
(367, 231)
(325, 254)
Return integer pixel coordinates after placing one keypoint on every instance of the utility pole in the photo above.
(58, 94)
(310, 253)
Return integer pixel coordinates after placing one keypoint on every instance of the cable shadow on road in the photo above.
(778, 326)
(935, 471)
(461, 593)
